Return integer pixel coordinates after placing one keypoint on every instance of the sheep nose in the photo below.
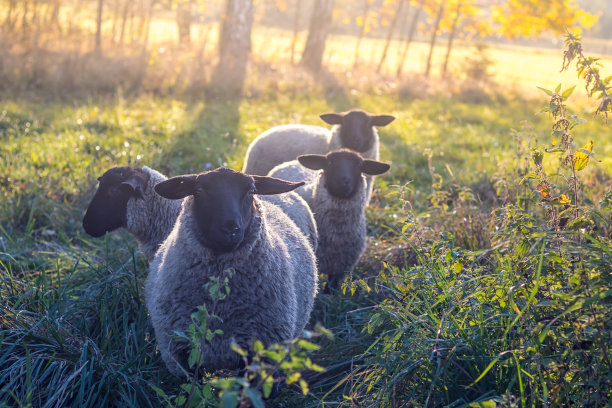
(345, 181)
(231, 228)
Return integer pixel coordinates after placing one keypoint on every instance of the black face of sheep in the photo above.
(223, 202)
(107, 210)
(342, 170)
(356, 127)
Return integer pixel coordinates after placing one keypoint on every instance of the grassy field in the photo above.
(466, 296)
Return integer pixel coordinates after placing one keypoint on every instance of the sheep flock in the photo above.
(294, 213)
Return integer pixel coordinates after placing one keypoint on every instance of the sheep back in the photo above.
(151, 218)
(299, 211)
(284, 143)
(294, 171)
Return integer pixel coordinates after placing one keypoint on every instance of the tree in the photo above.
(320, 25)
(296, 26)
(183, 21)
(234, 48)
(398, 12)
(413, 24)
(98, 48)
(529, 18)
(464, 20)
(434, 33)
(366, 22)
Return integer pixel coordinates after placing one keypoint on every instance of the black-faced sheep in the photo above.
(337, 196)
(224, 225)
(126, 198)
(354, 129)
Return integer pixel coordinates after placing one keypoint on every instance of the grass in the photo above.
(465, 296)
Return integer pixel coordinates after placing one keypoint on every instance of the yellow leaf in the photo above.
(562, 199)
(359, 21)
(581, 159)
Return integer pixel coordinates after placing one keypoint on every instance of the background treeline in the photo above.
(65, 46)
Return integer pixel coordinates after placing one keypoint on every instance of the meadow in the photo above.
(470, 292)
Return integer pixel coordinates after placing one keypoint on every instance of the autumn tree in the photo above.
(396, 15)
(439, 6)
(320, 25)
(234, 48)
(296, 26)
(98, 46)
(529, 18)
(366, 21)
(464, 19)
(412, 28)
(183, 20)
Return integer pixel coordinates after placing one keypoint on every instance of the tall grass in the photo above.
(465, 296)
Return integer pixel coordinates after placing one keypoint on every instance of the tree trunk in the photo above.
(296, 26)
(183, 21)
(98, 48)
(54, 17)
(432, 42)
(451, 36)
(398, 12)
(234, 48)
(124, 21)
(9, 16)
(366, 9)
(413, 24)
(24, 18)
(320, 25)
(147, 26)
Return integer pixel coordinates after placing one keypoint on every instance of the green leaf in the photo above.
(256, 398)
(558, 88)
(581, 158)
(546, 91)
(293, 377)
(483, 404)
(238, 349)
(306, 345)
(267, 388)
(566, 94)
(304, 386)
(158, 391)
(229, 400)
(258, 346)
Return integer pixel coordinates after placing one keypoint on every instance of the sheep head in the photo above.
(223, 202)
(342, 170)
(108, 207)
(356, 127)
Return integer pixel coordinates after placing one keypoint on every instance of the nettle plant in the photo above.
(264, 366)
(562, 201)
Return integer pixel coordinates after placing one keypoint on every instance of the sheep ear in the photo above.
(176, 187)
(374, 168)
(332, 118)
(313, 161)
(382, 120)
(271, 185)
(136, 184)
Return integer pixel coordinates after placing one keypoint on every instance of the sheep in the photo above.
(337, 197)
(299, 211)
(125, 198)
(224, 225)
(353, 129)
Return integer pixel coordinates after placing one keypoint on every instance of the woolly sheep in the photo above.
(337, 197)
(126, 198)
(223, 224)
(353, 129)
